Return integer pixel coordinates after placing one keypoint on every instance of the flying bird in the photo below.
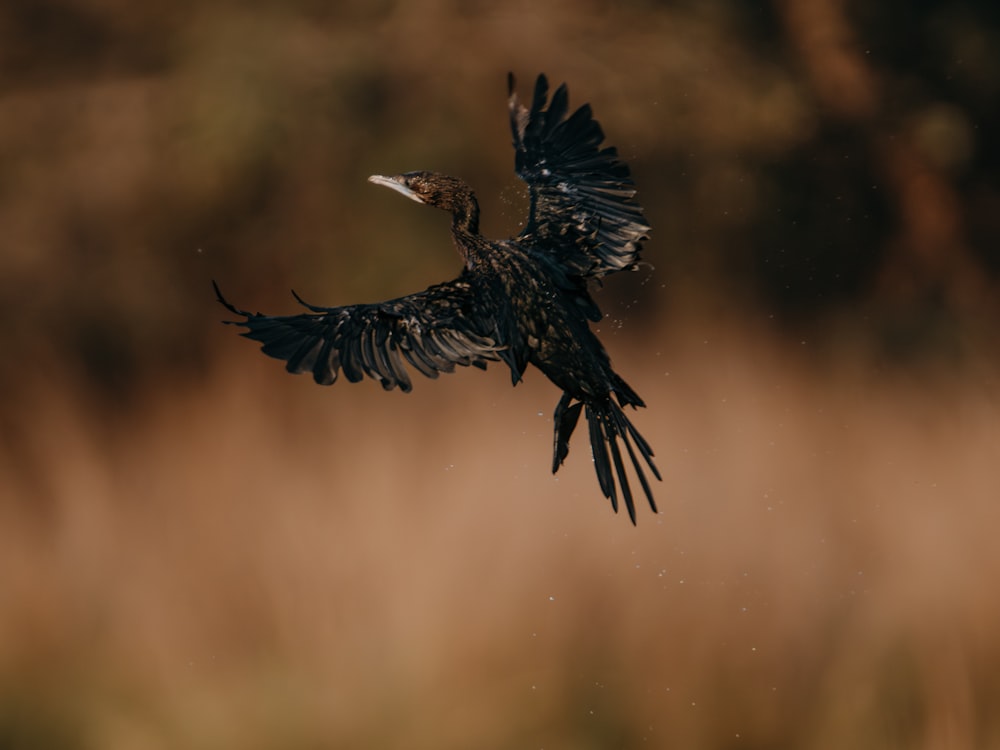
(520, 301)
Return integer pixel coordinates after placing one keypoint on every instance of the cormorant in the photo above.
(521, 300)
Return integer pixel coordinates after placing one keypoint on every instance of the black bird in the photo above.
(521, 300)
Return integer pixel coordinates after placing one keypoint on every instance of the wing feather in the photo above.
(433, 331)
(583, 207)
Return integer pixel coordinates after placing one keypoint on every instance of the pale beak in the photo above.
(397, 184)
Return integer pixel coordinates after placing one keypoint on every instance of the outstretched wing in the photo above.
(583, 206)
(432, 331)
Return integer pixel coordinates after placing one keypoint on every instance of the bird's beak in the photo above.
(396, 183)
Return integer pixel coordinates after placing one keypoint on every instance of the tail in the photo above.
(607, 424)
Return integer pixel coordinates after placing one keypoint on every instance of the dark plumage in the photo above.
(522, 300)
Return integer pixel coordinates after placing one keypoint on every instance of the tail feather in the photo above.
(602, 465)
(641, 444)
(616, 454)
(638, 468)
(607, 424)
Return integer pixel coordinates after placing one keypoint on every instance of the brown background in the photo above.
(200, 551)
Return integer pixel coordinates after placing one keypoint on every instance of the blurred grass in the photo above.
(198, 550)
(254, 562)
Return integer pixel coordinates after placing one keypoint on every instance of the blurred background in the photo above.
(198, 550)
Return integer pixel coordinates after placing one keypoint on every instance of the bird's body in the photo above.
(523, 300)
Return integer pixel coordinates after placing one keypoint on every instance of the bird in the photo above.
(518, 301)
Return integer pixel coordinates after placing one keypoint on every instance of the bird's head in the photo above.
(432, 188)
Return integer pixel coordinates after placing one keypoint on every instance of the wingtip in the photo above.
(224, 302)
(541, 83)
(541, 90)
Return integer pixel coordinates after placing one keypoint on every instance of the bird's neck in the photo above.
(465, 215)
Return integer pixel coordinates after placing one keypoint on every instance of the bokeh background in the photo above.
(198, 550)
